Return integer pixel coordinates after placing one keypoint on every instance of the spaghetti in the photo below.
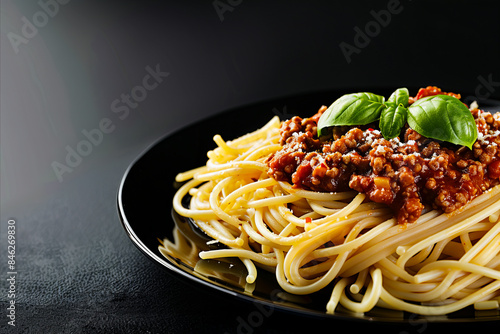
(438, 264)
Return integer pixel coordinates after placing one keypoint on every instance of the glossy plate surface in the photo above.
(144, 205)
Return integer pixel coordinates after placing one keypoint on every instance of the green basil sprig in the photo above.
(393, 117)
(444, 118)
(440, 117)
(400, 96)
(352, 109)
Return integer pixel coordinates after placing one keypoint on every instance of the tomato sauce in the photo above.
(407, 173)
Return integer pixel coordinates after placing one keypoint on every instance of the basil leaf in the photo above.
(443, 117)
(392, 119)
(400, 96)
(352, 109)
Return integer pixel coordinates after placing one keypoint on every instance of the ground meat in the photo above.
(406, 174)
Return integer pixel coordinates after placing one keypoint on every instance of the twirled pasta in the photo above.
(437, 265)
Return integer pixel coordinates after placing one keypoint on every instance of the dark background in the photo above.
(77, 269)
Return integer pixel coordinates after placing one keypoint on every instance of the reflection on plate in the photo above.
(144, 203)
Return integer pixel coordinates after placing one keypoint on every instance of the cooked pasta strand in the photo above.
(311, 239)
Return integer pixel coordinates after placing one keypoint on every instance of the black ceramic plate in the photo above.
(148, 186)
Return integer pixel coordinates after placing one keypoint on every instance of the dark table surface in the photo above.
(107, 79)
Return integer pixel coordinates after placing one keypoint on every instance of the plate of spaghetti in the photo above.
(375, 207)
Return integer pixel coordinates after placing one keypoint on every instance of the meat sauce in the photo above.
(406, 173)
